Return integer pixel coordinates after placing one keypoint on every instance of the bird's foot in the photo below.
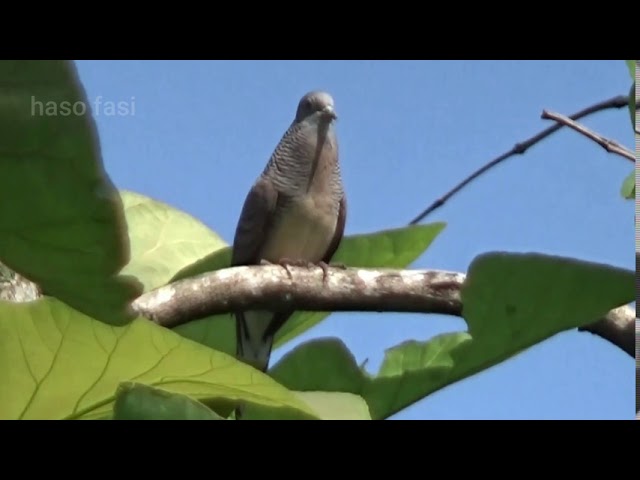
(290, 262)
(325, 269)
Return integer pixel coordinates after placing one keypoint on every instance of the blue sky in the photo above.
(409, 130)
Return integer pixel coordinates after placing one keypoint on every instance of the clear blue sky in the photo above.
(408, 131)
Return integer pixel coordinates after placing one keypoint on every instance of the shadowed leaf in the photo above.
(61, 218)
(136, 401)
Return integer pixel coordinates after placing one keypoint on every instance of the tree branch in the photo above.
(270, 287)
(373, 290)
(618, 327)
(519, 149)
(610, 146)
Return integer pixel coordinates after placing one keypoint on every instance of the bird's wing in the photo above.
(255, 219)
(337, 236)
(253, 338)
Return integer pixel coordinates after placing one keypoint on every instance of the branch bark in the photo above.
(270, 287)
(618, 327)
(300, 288)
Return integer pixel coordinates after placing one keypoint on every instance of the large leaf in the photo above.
(216, 260)
(395, 248)
(163, 240)
(511, 302)
(61, 219)
(136, 401)
(58, 363)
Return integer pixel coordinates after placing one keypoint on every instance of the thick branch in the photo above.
(267, 287)
(609, 145)
(520, 149)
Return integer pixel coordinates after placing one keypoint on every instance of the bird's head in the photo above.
(316, 103)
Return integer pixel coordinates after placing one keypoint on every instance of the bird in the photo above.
(294, 214)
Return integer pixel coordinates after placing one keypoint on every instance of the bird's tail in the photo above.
(254, 339)
(255, 332)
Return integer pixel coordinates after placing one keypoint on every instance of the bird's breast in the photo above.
(303, 230)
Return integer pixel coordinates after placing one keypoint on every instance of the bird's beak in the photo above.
(329, 112)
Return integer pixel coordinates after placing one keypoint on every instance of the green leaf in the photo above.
(511, 302)
(631, 66)
(628, 190)
(337, 405)
(217, 260)
(136, 401)
(520, 299)
(632, 104)
(396, 248)
(57, 363)
(61, 218)
(163, 240)
(328, 405)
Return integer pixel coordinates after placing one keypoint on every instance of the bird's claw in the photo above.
(289, 262)
(325, 271)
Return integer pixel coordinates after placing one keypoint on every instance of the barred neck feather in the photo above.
(294, 161)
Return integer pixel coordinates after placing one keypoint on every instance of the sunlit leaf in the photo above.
(58, 363)
(628, 189)
(163, 239)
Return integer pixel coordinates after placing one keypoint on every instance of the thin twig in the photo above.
(519, 149)
(610, 146)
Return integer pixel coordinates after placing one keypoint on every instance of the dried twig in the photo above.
(610, 146)
(519, 149)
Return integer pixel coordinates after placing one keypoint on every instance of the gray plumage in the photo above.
(295, 211)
